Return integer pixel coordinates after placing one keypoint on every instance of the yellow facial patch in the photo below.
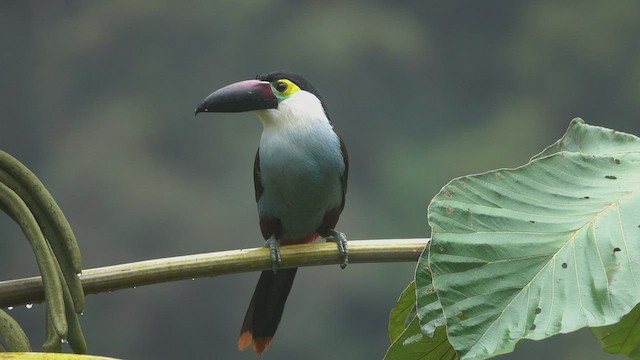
(285, 87)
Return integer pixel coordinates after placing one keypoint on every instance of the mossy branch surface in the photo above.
(125, 276)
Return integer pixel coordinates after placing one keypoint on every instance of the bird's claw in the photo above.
(341, 240)
(274, 246)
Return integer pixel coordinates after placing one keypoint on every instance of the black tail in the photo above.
(265, 310)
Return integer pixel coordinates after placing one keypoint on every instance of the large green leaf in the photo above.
(413, 345)
(403, 313)
(429, 309)
(622, 337)
(547, 248)
(592, 140)
(419, 333)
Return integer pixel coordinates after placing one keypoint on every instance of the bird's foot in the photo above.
(274, 246)
(341, 240)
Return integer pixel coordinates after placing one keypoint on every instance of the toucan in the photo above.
(300, 179)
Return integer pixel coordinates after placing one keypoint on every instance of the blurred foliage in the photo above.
(98, 98)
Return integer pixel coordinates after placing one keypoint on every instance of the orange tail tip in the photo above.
(259, 345)
(245, 339)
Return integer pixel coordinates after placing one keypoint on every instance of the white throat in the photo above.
(300, 109)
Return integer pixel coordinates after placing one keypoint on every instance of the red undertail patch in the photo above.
(302, 240)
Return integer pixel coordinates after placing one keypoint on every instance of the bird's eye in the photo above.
(281, 86)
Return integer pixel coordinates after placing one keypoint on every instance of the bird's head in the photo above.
(276, 97)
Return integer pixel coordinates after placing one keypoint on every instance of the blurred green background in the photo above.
(97, 98)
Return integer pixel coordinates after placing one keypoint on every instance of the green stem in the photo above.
(124, 276)
(19, 211)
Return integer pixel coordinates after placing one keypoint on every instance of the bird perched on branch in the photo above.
(300, 179)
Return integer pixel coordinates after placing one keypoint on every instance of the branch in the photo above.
(126, 276)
